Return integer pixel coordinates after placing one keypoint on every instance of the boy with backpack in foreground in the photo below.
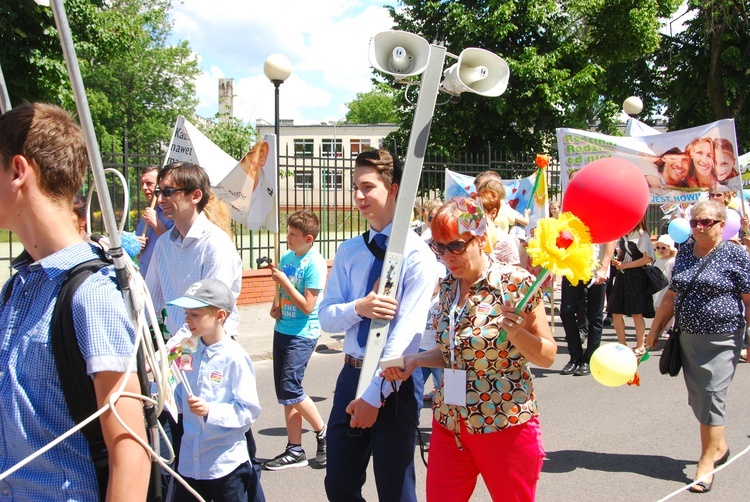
(43, 161)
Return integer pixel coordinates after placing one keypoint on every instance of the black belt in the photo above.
(352, 361)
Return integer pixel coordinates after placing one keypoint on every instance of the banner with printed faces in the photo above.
(678, 166)
(520, 194)
(248, 187)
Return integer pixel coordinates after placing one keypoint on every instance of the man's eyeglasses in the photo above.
(704, 223)
(168, 192)
(455, 247)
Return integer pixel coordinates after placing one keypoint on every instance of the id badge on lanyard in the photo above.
(454, 381)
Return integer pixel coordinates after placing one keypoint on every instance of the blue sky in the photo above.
(326, 41)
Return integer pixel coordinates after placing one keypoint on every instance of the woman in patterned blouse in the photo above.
(484, 414)
(712, 315)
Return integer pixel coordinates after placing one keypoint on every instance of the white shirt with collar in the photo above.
(206, 252)
(347, 283)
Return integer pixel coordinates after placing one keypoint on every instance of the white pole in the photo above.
(407, 194)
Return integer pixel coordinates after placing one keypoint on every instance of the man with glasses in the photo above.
(153, 223)
(193, 249)
(378, 424)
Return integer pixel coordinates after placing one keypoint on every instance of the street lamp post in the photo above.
(277, 69)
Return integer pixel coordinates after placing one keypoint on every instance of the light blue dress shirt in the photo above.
(347, 284)
(33, 411)
(177, 263)
(223, 375)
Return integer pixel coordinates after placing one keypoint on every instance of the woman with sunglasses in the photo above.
(710, 297)
(485, 413)
(665, 256)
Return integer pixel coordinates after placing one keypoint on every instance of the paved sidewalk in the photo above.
(256, 333)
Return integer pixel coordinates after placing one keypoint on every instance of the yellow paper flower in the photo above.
(563, 246)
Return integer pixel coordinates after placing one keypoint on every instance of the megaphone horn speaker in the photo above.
(399, 53)
(479, 71)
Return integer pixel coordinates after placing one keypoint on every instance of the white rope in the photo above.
(142, 309)
(702, 478)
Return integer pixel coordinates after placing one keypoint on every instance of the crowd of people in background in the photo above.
(454, 318)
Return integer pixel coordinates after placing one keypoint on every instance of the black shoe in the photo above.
(582, 370)
(289, 458)
(569, 368)
(722, 460)
(321, 454)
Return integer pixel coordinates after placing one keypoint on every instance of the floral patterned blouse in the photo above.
(499, 387)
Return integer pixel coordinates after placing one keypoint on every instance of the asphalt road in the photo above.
(613, 444)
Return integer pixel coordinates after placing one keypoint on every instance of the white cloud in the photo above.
(326, 41)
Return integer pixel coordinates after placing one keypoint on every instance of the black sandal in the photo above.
(705, 487)
(722, 460)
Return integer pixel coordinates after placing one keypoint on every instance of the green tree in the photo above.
(374, 107)
(707, 67)
(229, 134)
(134, 81)
(570, 63)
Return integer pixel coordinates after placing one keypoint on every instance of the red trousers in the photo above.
(509, 461)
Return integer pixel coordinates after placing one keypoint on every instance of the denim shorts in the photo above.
(290, 357)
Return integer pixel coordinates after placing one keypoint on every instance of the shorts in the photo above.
(290, 357)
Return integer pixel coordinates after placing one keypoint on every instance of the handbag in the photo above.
(655, 279)
(670, 361)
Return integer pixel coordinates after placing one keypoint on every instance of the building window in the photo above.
(331, 145)
(304, 147)
(358, 146)
(303, 179)
(332, 178)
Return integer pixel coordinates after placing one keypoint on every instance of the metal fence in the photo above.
(321, 184)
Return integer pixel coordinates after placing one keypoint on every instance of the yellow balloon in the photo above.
(613, 364)
(734, 203)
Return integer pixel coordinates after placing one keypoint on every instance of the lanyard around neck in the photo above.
(454, 314)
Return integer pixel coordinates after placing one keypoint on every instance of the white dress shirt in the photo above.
(206, 252)
(347, 284)
(223, 375)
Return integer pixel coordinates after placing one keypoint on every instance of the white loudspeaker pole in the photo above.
(4, 98)
(407, 193)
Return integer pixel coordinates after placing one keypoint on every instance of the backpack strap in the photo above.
(376, 250)
(77, 386)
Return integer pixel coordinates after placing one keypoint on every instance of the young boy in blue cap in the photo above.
(220, 401)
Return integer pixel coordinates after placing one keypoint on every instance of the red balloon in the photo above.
(609, 195)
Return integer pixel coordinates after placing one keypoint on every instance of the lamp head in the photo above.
(277, 67)
(633, 105)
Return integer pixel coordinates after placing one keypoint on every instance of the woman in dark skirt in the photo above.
(710, 298)
(628, 296)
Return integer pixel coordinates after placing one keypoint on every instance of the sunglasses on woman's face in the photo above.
(455, 247)
(661, 248)
(704, 223)
(716, 195)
